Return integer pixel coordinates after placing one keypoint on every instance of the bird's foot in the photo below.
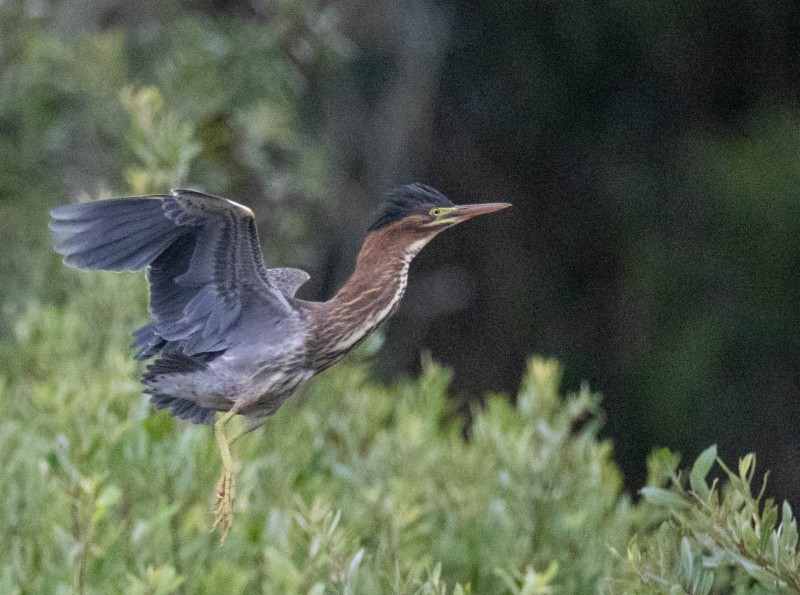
(226, 485)
(223, 509)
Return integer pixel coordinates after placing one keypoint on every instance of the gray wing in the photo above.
(123, 234)
(203, 257)
(287, 280)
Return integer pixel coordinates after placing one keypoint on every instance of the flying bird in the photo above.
(228, 334)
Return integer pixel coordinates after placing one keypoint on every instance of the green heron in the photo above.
(229, 333)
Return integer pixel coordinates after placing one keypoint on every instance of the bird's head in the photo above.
(418, 212)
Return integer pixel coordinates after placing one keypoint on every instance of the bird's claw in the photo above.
(226, 485)
(223, 509)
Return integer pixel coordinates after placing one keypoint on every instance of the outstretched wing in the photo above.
(203, 257)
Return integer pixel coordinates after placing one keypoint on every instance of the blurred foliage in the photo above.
(215, 103)
(650, 150)
(351, 488)
(715, 527)
(164, 146)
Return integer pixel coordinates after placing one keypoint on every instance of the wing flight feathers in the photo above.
(116, 235)
(203, 257)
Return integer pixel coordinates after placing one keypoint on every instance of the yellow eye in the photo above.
(436, 212)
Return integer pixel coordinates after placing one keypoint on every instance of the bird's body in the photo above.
(228, 333)
(261, 370)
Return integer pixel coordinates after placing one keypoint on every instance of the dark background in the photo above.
(651, 151)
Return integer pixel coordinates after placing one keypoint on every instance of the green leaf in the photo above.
(700, 469)
(746, 467)
(751, 541)
(665, 498)
(703, 586)
(687, 559)
(769, 518)
(661, 466)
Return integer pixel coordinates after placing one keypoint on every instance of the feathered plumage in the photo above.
(405, 200)
(228, 333)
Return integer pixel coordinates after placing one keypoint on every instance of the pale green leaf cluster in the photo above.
(352, 487)
(718, 533)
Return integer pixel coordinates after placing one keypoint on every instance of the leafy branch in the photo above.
(715, 528)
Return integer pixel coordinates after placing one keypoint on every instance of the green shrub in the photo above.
(352, 487)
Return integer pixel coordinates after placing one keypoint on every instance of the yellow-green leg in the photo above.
(226, 485)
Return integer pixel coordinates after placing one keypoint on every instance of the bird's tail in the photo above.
(171, 381)
(113, 235)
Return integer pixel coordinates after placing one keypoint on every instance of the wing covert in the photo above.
(201, 283)
(287, 280)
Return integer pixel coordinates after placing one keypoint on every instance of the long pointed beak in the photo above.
(464, 212)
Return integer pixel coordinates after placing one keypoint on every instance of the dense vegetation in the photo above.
(352, 487)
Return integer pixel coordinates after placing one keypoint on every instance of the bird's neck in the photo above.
(369, 296)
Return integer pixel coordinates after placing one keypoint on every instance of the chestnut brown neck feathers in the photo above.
(370, 295)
